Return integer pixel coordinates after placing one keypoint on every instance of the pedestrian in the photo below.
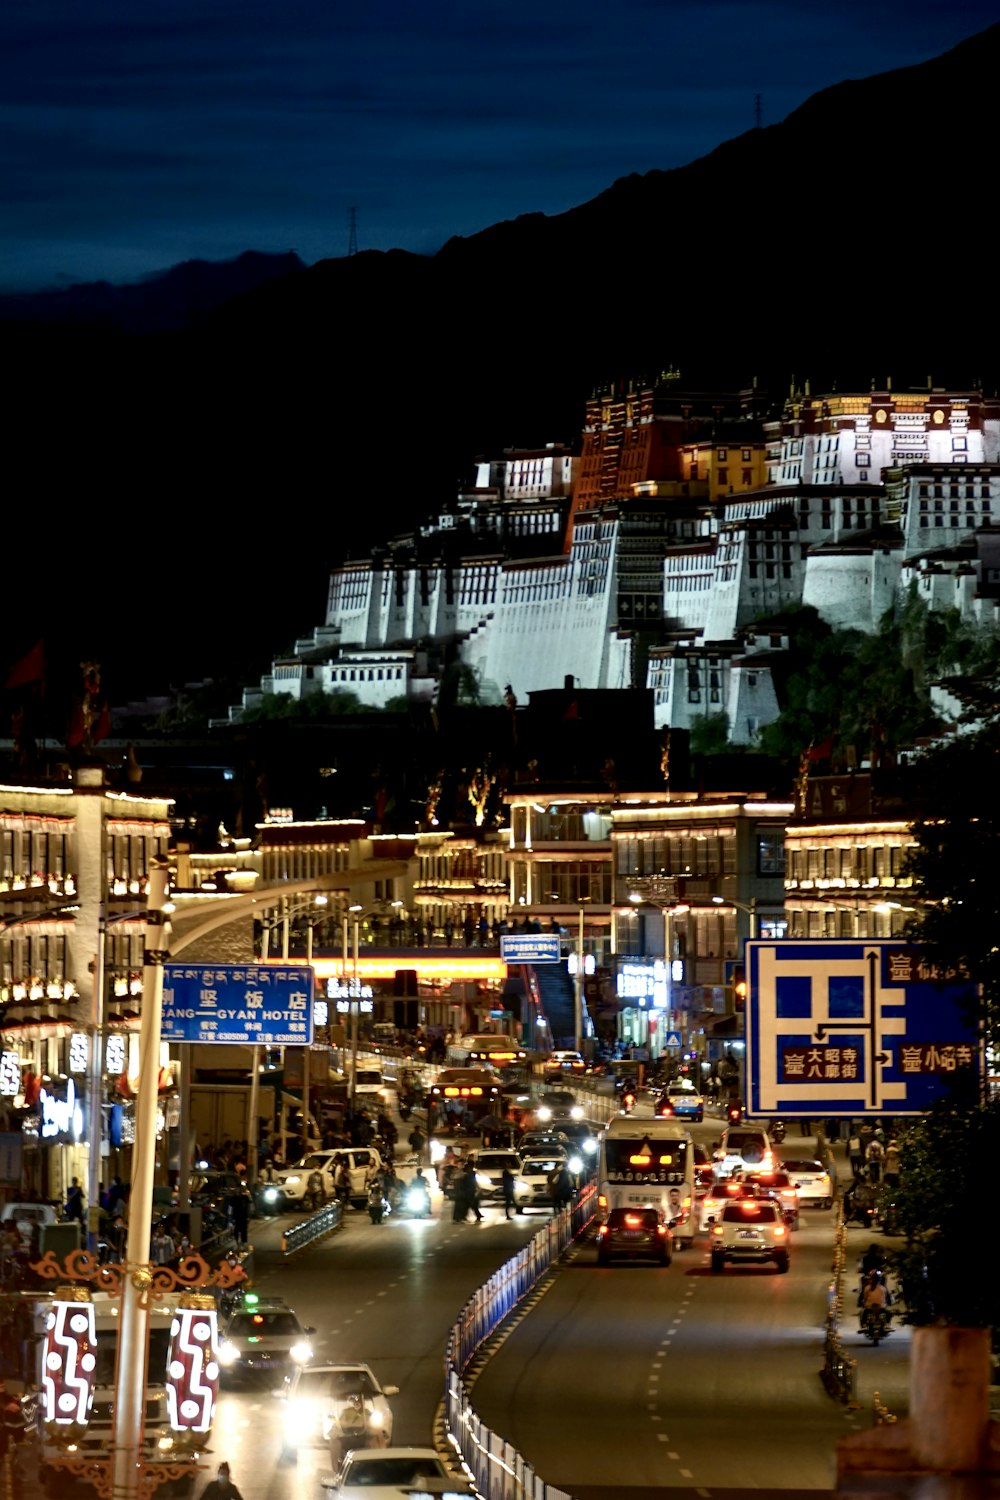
(239, 1209)
(507, 1190)
(74, 1201)
(449, 932)
(855, 1154)
(12, 1426)
(891, 1165)
(805, 1126)
(471, 1194)
(416, 1140)
(874, 1156)
(222, 1487)
(162, 1248)
(460, 1196)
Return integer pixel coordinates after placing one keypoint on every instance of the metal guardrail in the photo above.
(308, 1231)
(494, 1465)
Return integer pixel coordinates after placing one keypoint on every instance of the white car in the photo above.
(489, 1171)
(316, 1397)
(262, 1337)
(812, 1181)
(564, 1064)
(294, 1181)
(389, 1473)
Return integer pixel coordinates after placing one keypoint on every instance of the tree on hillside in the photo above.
(948, 1272)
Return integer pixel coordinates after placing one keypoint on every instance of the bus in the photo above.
(486, 1050)
(649, 1163)
(460, 1099)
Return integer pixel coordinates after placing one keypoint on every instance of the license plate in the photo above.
(630, 1234)
(748, 1234)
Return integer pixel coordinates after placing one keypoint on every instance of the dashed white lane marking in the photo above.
(686, 1474)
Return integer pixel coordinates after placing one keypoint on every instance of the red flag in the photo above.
(822, 751)
(29, 669)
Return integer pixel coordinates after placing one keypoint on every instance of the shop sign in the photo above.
(10, 1074)
(60, 1118)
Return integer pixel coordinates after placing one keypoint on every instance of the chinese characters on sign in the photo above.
(250, 1004)
(832, 1063)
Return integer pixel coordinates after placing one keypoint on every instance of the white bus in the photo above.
(649, 1163)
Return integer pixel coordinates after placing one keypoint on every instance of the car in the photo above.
(723, 1191)
(777, 1184)
(543, 1140)
(682, 1100)
(562, 1062)
(489, 1171)
(314, 1396)
(750, 1232)
(370, 1088)
(388, 1473)
(262, 1336)
(635, 1232)
(532, 1185)
(294, 1181)
(813, 1182)
(743, 1147)
(557, 1105)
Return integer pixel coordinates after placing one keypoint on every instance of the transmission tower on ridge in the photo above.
(352, 231)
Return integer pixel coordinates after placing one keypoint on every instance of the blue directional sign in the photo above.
(267, 1005)
(672, 1039)
(529, 948)
(852, 1028)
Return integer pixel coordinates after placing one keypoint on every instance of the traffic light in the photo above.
(739, 988)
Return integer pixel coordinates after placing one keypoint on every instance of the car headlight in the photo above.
(228, 1353)
(301, 1416)
(576, 1113)
(270, 1195)
(544, 1113)
(590, 1147)
(482, 1181)
(291, 1181)
(575, 1164)
(301, 1352)
(376, 1419)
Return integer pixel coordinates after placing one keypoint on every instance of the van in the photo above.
(743, 1148)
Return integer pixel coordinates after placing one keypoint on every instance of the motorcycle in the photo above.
(416, 1199)
(354, 1423)
(734, 1114)
(875, 1324)
(628, 1103)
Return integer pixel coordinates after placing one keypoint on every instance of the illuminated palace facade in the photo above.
(656, 557)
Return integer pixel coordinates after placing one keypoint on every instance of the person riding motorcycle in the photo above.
(874, 1299)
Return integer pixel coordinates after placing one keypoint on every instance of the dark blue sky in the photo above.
(135, 134)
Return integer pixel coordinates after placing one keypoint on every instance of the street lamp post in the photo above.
(578, 989)
(133, 1330)
(750, 907)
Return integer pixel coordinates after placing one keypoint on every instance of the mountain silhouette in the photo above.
(316, 414)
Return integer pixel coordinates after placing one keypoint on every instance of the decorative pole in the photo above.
(133, 1331)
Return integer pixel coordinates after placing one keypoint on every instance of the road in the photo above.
(619, 1380)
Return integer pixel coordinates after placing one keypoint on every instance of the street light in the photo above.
(668, 910)
(750, 907)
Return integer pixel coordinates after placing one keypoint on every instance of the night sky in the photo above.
(134, 136)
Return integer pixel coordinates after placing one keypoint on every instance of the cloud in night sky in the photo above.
(134, 136)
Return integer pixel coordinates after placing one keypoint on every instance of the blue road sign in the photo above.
(529, 948)
(852, 1028)
(267, 1005)
(672, 1039)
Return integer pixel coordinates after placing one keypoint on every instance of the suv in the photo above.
(750, 1230)
(635, 1231)
(489, 1171)
(532, 1185)
(746, 1147)
(294, 1181)
(263, 1336)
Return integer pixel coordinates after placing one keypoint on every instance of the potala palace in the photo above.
(657, 554)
